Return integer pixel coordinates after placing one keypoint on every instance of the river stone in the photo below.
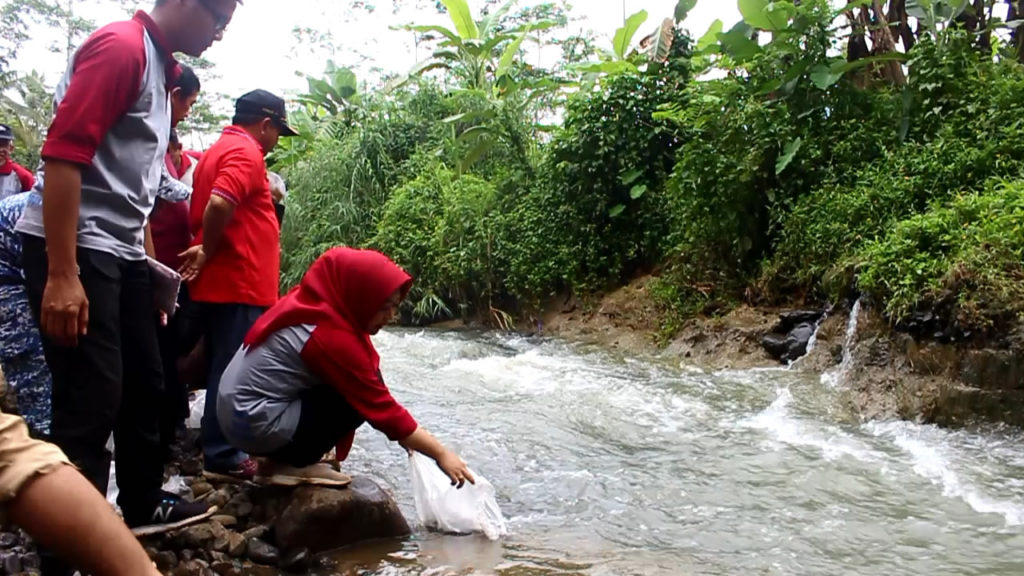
(236, 545)
(192, 467)
(256, 532)
(219, 498)
(165, 560)
(298, 561)
(260, 551)
(321, 519)
(796, 342)
(224, 568)
(257, 570)
(201, 488)
(224, 520)
(240, 506)
(11, 563)
(31, 562)
(201, 536)
(775, 344)
(190, 568)
(794, 318)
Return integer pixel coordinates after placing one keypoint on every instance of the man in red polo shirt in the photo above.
(84, 253)
(234, 263)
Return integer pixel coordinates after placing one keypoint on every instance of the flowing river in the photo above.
(608, 465)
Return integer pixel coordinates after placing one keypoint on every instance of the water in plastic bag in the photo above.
(440, 506)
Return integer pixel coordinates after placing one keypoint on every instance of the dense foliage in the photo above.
(826, 155)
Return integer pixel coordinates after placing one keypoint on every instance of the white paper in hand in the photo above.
(440, 506)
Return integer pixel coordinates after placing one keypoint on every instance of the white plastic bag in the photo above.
(440, 506)
(196, 407)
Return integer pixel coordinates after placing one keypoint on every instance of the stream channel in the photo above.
(608, 465)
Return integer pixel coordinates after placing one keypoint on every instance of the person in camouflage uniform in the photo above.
(21, 350)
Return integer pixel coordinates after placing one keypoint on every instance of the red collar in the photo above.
(239, 131)
(160, 40)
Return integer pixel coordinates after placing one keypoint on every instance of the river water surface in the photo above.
(623, 465)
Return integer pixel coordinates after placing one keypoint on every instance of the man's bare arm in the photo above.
(62, 511)
(62, 193)
(216, 217)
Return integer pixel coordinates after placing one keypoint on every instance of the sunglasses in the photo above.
(220, 21)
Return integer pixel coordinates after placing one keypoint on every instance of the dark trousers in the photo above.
(177, 339)
(112, 380)
(225, 327)
(326, 418)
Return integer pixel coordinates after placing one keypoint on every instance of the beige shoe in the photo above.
(319, 474)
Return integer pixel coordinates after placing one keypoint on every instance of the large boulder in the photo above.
(793, 318)
(320, 519)
(797, 341)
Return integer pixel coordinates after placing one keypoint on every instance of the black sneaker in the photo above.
(169, 513)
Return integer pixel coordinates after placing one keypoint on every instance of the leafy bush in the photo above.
(836, 220)
(967, 254)
(439, 228)
(599, 192)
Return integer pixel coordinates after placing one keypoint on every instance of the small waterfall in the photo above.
(837, 375)
(812, 342)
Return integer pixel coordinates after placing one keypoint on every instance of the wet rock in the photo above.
(796, 342)
(165, 561)
(775, 344)
(321, 519)
(256, 532)
(240, 506)
(201, 488)
(8, 540)
(11, 563)
(225, 520)
(190, 568)
(225, 568)
(260, 551)
(236, 545)
(191, 467)
(221, 543)
(186, 555)
(31, 562)
(298, 561)
(219, 498)
(793, 318)
(257, 570)
(201, 536)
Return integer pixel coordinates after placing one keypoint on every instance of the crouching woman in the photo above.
(308, 375)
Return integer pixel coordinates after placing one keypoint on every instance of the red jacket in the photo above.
(339, 295)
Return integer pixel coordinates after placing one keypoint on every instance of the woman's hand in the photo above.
(455, 468)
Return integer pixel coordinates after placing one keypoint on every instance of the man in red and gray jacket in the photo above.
(14, 178)
(84, 250)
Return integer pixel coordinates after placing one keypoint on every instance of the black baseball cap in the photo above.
(6, 133)
(263, 104)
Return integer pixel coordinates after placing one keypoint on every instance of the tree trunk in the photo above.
(898, 13)
(883, 42)
(857, 48)
(1015, 12)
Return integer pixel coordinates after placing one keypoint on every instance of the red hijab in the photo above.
(340, 294)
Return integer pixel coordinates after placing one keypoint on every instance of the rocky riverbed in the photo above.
(256, 530)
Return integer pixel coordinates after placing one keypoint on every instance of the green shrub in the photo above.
(828, 226)
(966, 254)
(439, 228)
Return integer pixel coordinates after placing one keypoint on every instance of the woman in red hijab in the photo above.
(308, 375)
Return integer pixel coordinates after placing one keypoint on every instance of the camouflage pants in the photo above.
(21, 356)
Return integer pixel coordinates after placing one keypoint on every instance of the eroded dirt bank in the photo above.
(888, 374)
